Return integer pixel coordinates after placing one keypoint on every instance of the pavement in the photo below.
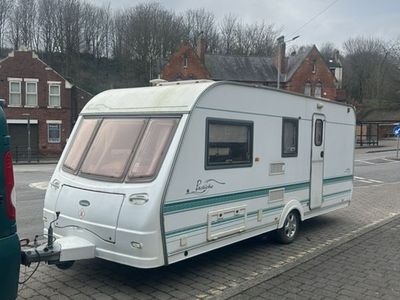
(367, 267)
(236, 270)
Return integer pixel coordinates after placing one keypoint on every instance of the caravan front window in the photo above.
(111, 148)
(103, 148)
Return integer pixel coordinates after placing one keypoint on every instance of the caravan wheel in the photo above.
(288, 232)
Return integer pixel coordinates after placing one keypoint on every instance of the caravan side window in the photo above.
(290, 132)
(229, 143)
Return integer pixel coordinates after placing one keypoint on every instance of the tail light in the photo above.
(9, 185)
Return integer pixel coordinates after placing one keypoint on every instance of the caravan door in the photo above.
(317, 160)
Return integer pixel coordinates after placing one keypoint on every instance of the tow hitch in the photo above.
(49, 252)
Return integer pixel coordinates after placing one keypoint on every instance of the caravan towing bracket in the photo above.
(49, 252)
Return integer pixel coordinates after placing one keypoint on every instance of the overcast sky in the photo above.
(342, 20)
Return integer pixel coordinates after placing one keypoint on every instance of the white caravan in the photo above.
(155, 175)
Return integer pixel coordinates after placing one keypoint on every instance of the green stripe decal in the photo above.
(338, 179)
(173, 207)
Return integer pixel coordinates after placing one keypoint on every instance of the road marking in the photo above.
(377, 181)
(365, 162)
(39, 185)
(365, 181)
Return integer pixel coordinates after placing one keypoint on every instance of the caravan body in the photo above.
(154, 175)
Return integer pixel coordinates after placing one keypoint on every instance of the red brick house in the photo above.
(33, 90)
(305, 72)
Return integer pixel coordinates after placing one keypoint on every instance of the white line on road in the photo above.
(365, 181)
(365, 162)
(39, 185)
(377, 181)
(356, 177)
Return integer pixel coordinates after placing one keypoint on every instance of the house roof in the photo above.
(240, 68)
(295, 61)
(251, 68)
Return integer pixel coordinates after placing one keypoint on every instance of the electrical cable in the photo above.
(33, 272)
(313, 18)
(79, 227)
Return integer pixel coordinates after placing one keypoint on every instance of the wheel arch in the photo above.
(291, 205)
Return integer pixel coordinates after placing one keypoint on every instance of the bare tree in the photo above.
(370, 70)
(201, 21)
(5, 9)
(227, 32)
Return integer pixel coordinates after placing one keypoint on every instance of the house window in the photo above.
(314, 66)
(31, 93)
(307, 89)
(290, 132)
(229, 143)
(185, 60)
(15, 93)
(54, 133)
(54, 95)
(318, 90)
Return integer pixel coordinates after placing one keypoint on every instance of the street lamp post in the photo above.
(280, 43)
(28, 127)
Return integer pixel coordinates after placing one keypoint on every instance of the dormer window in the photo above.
(307, 89)
(318, 90)
(185, 60)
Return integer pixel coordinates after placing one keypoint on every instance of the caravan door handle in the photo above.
(322, 154)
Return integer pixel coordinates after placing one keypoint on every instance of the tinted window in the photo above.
(152, 148)
(80, 143)
(108, 148)
(290, 129)
(319, 130)
(111, 148)
(229, 143)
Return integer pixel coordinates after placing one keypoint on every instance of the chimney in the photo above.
(201, 47)
(336, 57)
(280, 60)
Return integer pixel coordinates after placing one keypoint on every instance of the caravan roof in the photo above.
(168, 97)
(164, 98)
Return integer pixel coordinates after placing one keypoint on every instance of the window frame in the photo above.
(48, 133)
(318, 86)
(185, 61)
(27, 81)
(10, 81)
(307, 88)
(235, 122)
(50, 84)
(293, 121)
(124, 177)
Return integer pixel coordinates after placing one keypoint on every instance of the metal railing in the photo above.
(21, 154)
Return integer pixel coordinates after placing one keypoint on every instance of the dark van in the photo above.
(9, 242)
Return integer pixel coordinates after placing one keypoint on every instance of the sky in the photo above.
(329, 20)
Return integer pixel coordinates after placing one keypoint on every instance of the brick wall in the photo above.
(25, 65)
(321, 74)
(175, 69)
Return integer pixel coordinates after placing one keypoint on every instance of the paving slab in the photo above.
(227, 271)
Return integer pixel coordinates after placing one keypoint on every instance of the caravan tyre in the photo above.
(288, 232)
(65, 264)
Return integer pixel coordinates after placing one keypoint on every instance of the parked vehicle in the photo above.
(155, 175)
(9, 241)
